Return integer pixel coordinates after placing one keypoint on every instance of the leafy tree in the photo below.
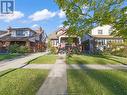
(83, 15)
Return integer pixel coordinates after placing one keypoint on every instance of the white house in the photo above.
(99, 39)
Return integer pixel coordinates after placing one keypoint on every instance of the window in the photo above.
(20, 33)
(110, 31)
(100, 32)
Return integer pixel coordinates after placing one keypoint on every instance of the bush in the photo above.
(23, 49)
(15, 48)
(53, 50)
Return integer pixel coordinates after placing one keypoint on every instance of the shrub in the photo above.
(53, 50)
(23, 49)
(15, 48)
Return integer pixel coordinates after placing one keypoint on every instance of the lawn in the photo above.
(97, 82)
(46, 59)
(99, 59)
(7, 56)
(22, 81)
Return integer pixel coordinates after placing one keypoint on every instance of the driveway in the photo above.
(19, 62)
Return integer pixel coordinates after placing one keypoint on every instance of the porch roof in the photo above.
(105, 36)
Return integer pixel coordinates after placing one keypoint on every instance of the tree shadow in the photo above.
(110, 81)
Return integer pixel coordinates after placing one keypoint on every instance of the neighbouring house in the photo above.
(59, 39)
(99, 39)
(33, 39)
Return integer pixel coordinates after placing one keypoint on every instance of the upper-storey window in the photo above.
(20, 33)
(100, 32)
(110, 31)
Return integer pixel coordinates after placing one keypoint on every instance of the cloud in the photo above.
(60, 26)
(61, 14)
(35, 26)
(11, 17)
(42, 15)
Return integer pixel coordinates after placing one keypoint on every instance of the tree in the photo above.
(83, 15)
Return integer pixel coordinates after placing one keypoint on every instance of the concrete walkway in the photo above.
(56, 82)
(97, 66)
(19, 62)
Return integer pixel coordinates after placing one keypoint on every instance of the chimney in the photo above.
(39, 31)
(9, 29)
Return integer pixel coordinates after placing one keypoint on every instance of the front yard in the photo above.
(22, 81)
(97, 82)
(98, 59)
(7, 56)
(46, 59)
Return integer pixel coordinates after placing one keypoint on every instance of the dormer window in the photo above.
(20, 33)
(100, 32)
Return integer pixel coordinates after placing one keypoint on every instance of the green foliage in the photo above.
(118, 49)
(53, 50)
(83, 15)
(15, 48)
(23, 49)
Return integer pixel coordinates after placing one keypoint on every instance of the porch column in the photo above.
(59, 40)
(79, 40)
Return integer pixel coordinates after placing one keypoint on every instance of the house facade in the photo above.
(99, 39)
(33, 39)
(59, 39)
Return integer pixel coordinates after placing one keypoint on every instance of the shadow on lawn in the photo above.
(110, 81)
(11, 70)
(79, 60)
(108, 58)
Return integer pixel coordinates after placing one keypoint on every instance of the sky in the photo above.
(34, 13)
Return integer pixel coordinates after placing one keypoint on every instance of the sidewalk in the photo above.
(97, 66)
(56, 82)
(20, 62)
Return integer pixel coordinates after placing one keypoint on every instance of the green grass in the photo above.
(46, 59)
(22, 82)
(87, 59)
(97, 82)
(7, 56)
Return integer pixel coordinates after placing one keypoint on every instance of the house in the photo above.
(99, 39)
(59, 39)
(33, 39)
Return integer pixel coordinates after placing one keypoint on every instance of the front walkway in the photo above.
(56, 82)
(19, 62)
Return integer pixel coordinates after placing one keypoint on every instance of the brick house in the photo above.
(59, 39)
(33, 39)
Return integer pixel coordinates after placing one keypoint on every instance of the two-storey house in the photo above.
(33, 39)
(99, 39)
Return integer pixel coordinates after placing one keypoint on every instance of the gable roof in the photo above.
(56, 34)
